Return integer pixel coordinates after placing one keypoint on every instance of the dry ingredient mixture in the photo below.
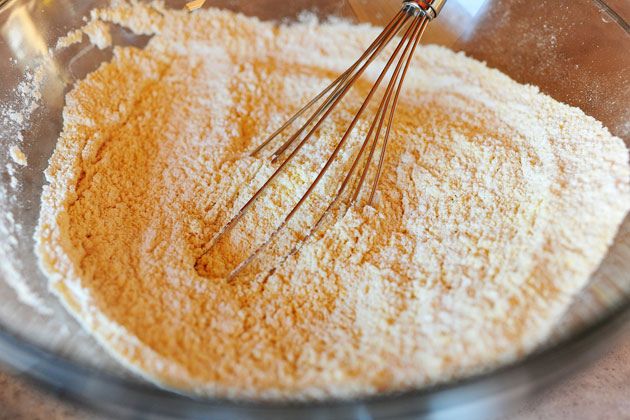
(494, 208)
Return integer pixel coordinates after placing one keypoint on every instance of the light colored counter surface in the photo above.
(600, 391)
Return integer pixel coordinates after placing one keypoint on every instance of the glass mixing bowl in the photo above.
(575, 51)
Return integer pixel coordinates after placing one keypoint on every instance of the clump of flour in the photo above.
(18, 155)
(97, 31)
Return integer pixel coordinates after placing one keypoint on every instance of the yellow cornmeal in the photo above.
(495, 205)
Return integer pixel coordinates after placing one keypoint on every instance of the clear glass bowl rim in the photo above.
(112, 394)
(115, 395)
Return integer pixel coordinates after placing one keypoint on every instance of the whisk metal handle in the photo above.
(429, 8)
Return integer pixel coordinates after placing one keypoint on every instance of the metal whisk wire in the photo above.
(412, 21)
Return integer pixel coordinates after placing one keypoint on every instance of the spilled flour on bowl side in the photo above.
(16, 116)
(97, 32)
(493, 210)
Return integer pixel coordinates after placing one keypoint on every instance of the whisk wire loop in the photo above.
(332, 157)
(412, 21)
(386, 35)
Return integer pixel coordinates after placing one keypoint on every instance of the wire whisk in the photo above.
(408, 25)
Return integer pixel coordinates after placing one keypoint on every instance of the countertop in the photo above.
(600, 391)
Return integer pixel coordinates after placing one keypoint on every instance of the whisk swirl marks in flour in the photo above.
(473, 251)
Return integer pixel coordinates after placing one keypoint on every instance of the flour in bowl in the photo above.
(493, 209)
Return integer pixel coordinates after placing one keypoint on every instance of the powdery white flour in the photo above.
(495, 205)
(16, 112)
